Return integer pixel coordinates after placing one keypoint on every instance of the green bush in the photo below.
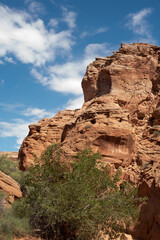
(11, 226)
(76, 201)
(10, 168)
(2, 197)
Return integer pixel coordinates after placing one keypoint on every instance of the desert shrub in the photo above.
(11, 225)
(10, 168)
(2, 198)
(80, 200)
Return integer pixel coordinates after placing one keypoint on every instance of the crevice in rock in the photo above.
(66, 130)
(104, 82)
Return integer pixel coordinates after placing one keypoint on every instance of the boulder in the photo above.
(9, 186)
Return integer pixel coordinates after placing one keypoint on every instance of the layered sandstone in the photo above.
(9, 186)
(41, 135)
(120, 118)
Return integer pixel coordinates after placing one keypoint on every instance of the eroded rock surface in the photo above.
(9, 186)
(120, 118)
(41, 135)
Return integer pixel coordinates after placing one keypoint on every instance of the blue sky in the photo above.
(45, 47)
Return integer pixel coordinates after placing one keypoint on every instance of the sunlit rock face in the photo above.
(10, 187)
(121, 108)
(120, 118)
(41, 135)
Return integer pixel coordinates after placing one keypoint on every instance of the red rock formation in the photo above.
(120, 118)
(41, 135)
(10, 187)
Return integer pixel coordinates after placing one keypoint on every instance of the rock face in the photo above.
(120, 118)
(10, 187)
(41, 135)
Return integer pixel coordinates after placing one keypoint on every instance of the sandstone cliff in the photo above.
(120, 118)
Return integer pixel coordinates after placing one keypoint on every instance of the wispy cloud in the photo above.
(37, 113)
(94, 32)
(18, 128)
(9, 107)
(36, 8)
(9, 59)
(29, 40)
(31, 112)
(53, 22)
(69, 17)
(137, 22)
(101, 30)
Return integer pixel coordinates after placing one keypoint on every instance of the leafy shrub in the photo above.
(11, 226)
(2, 197)
(79, 201)
(10, 168)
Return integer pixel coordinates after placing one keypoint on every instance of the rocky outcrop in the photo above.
(120, 118)
(41, 135)
(9, 186)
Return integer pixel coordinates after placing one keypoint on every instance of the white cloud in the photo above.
(39, 76)
(9, 59)
(53, 22)
(101, 30)
(97, 50)
(36, 7)
(29, 40)
(67, 77)
(84, 34)
(37, 113)
(20, 108)
(69, 17)
(74, 103)
(18, 129)
(138, 24)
